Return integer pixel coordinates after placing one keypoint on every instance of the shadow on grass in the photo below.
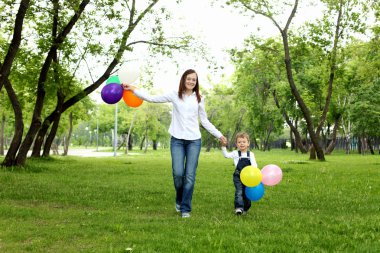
(34, 165)
(297, 162)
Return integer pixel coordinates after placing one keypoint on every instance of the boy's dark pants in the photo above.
(241, 201)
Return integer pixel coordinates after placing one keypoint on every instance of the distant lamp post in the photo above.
(97, 134)
(90, 132)
(115, 133)
(87, 129)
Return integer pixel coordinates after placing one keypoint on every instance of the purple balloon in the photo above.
(112, 93)
(272, 174)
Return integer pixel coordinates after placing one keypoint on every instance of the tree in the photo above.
(5, 68)
(363, 64)
(65, 33)
(258, 66)
(224, 112)
(255, 77)
(346, 18)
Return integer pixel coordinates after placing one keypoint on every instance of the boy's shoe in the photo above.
(238, 211)
(185, 215)
(177, 208)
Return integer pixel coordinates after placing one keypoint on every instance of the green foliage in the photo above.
(223, 111)
(100, 37)
(362, 85)
(126, 204)
(152, 121)
(313, 57)
(365, 110)
(258, 72)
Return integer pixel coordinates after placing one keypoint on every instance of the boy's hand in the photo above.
(223, 141)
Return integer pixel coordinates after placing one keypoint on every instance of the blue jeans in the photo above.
(185, 154)
(241, 201)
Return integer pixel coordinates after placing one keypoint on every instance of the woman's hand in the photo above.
(128, 87)
(223, 141)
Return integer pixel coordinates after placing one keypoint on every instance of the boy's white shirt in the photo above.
(235, 155)
(186, 111)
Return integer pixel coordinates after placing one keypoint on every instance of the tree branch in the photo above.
(15, 43)
(292, 14)
(154, 43)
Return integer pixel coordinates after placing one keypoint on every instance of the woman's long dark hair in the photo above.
(182, 86)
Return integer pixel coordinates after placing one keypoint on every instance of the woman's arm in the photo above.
(168, 97)
(206, 123)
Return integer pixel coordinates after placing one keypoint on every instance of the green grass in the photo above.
(126, 204)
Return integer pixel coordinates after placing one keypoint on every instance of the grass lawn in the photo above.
(126, 204)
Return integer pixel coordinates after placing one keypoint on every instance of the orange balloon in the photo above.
(130, 99)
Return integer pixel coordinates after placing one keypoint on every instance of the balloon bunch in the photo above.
(254, 179)
(113, 91)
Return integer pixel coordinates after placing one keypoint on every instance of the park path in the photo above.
(90, 152)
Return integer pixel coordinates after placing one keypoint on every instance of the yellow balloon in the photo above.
(250, 176)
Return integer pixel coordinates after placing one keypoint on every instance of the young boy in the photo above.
(242, 158)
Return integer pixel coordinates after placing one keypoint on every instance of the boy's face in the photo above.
(242, 144)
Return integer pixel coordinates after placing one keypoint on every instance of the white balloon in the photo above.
(129, 72)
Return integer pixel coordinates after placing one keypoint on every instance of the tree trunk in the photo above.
(347, 140)
(55, 118)
(36, 152)
(10, 157)
(128, 142)
(312, 153)
(13, 48)
(142, 142)
(298, 142)
(332, 144)
(2, 134)
(208, 146)
(60, 92)
(254, 142)
(123, 142)
(51, 137)
(292, 142)
(146, 141)
(266, 140)
(364, 145)
(293, 128)
(67, 142)
(370, 146)
(305, 110)
(5, 68)
(154, 144)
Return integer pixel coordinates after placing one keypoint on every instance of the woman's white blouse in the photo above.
(186, 111)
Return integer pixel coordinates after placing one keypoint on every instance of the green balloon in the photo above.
(113, 79)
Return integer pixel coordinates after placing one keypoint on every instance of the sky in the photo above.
(220, 29)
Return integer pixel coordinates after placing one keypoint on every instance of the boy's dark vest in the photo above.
(243, 161)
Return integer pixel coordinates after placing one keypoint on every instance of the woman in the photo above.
(185, 144)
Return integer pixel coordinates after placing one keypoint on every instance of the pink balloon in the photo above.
(272, 174)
